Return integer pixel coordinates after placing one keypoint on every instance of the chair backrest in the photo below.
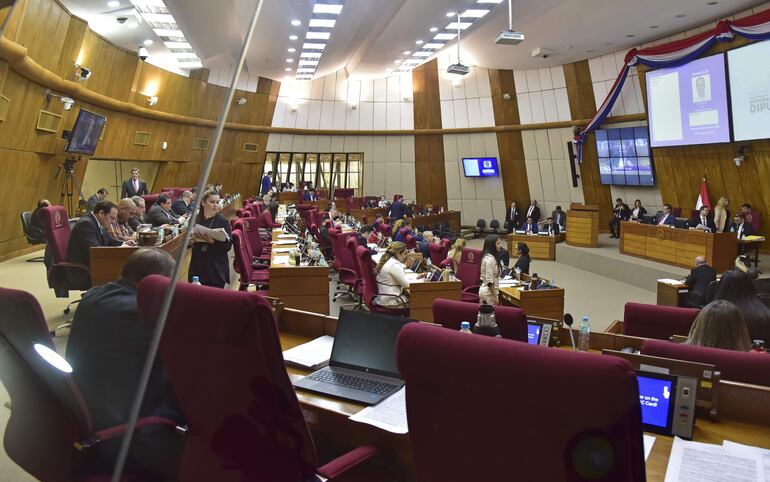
(317, 236)
(476, 408)
(242, 258)
(370, 289)
(338, 247)
(48, 413)
(469, 271)
(481, 224)
(450, 313)
(250, 228)
(438, 252)
(266, 219)
(343, 193)
(57, 230)
(745, 367)
(676, 212)
(351, 243)
(756, 220)
(711, 291)
(655, 321)
(254, 409)
(34, 235)
(410, 241)
(149, 201)
(385, 229)
(494, 224)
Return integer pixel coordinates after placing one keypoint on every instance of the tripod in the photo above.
(69, 186)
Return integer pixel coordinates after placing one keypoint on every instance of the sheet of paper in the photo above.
(698, 462)
(285, 242)
(389, 414)
(765, 453)
(669, 281)
(287, 236)
(280, 259)
(219, 234)
(649, 441)
(282, 250)
(313, 354)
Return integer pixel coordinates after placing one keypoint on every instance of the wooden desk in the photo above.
(288, 197)
(422, 295)
(300, 287)
(672, 295)
(546, 303)
(451, 217)
(368, 213)
(583, 225)
(678, 247)
(540, 247)
(747, 245)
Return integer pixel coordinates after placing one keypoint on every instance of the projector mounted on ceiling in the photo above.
(510, 36)
(458, 69)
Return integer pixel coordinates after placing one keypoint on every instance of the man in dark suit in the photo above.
(533, 211)
(551, 227)
(91, 230)
(703, 221)
(699, 279)
(309, 194)
(740, 227)
(530, 227)
(134, 186)
(100, 196)
(107, 347)
(665, 218)
(512, 217)
(267, 183)
(183, 205)
(620, 212)
(160, 213)
(560, 218)
(397, 210)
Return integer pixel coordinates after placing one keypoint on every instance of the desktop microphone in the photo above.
(568, 320)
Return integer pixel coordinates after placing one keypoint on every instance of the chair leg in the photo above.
(69, 306)
(36, 259)
(60, 327)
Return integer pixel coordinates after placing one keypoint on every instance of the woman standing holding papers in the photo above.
(490, 271)
(209, 260)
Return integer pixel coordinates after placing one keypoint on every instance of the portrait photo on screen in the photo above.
(750, 91)
(687, 105)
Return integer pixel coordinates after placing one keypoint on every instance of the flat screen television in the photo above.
(750, 91)
(687, 105)
(85, 133)
(480, 167)
(625, 158)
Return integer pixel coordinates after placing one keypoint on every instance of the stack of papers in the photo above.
(280, 260)
(286, 242)
(282, 250)
(311, 355)
(730, 462)
(287, 236)
(671, 282)
(753, 238)
(389, 414)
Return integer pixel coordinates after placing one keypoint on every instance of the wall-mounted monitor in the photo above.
(687, 105)
(624, 157)
(480, 167)
(85, 133)
(750, 91)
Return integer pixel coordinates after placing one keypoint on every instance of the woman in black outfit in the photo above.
(523, 262)
(638, 211)
(209, 261)
(737, 288)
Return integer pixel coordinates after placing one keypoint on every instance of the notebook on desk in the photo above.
(362, 366)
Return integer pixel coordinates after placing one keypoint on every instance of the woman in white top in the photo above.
(392, 285)
(490, 271)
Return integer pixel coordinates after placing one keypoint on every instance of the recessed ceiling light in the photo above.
(445, 36)
(312, 55)
(451, 14)
(322, 23)
(489, 1)
(419, 42)
(456, 25)
(313, 46)
(681, 15)
(288, 61)
(292, 50)
(296, 23)
(397, 61)
(407, 52)
(113, 4)
(178, 45)
(654, 26)
(132, 25)
(148, 42)
(474, 13)
(287, 69)
(318, 35)
(308, 62)
(422, 53)
(433, 46)
(293, 37)
(434, 29)
(324, 8)
(287, 77)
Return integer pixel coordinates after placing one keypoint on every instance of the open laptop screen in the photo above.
(367, 341)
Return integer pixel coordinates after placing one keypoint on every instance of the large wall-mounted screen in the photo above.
(688, 104)
(624, 157)
(750, 91)
(480, 167)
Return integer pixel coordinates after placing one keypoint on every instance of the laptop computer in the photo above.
(362, 366)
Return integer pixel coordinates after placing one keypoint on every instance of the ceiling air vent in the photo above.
(250, 147)
(48, 121)
(200, 144)
(142, 138)
(5, 103)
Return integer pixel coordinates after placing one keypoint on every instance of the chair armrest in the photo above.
(400, 299)
(472, 289)
(346, 462)
(119, 430)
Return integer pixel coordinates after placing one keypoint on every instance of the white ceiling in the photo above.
(371, 34)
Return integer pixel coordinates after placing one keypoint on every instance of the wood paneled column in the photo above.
(429, 171)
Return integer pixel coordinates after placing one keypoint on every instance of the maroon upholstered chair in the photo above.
(385, 230)
(326, 250)
(249, 276)
(246, 425)
(450, 313)
(250, 229)
(343, 264)
(410, 241)
(745, 367)
(655, 321)
(477, 410)
(351, 243)
(48, 415)
(370, 287)
(343, 193)
(266, 220)
(438, 252)
(469, 273)
(150, 200)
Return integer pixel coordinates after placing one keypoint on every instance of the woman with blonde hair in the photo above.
(392, 285)
(456, 253)
(720, 325)
(722, 215)
(396, 228)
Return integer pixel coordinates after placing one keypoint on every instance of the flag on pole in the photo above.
(703, 196)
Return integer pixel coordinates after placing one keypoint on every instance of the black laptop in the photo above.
(362, 366)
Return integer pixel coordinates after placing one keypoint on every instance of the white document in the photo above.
(218, 234)
(765, 453)
(280, 260)
(287, 236)
(282, 250)
(649, 441)
(700, 462)
(311, 355)
(672, 282)
(285, 242)
(389, 414)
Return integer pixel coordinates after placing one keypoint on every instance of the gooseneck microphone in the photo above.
(568, 320)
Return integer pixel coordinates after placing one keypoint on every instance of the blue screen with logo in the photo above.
(480, 167)
(533, 334)
(655, 396)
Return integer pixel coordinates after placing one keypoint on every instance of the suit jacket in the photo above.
(266, 184)
(158, 217)
(397, 210)
(91, 203)
(642, 212)
(530, 227)
(551, 229)
(523, 264)
(748, 229)
(670, 220)
(696, 220)
(513, 217)
(559, 218)
(699, 280)
(535, 213)
(179, 207)
(623, 212)
(107, 346)
(309, 196)
(129, 191)
(86, 233)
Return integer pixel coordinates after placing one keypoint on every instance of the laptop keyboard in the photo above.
(353, 382)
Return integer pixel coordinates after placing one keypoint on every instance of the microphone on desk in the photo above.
(568, 320)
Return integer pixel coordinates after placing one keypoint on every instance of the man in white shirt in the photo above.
(666, 217)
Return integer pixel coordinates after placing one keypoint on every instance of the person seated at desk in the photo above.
(107, 347)
(100, 196)
(698, 280)
(209, 260)
(702, 221)
(560, 218)
(737, 287)
(620, 212)
(552, 227)
(522, 250)
(740, 227)
(666, 217)
(378, 220)
(382, 203)
(332, 212)
(392, 284)
(424, 246)
(308, 194)
(530, 227)
(218, 189)
(455, 254)
(291, 187)
(491, 268)
(397, 209)
(119, 228)
(638, 212)
(373, 236)
(720, 324)
(512, 217)
(160, 214)
(137, 215)
(183, 205)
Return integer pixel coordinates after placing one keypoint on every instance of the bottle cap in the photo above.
(486, 309)
(585, 318)
(195, 278)
(465, 325)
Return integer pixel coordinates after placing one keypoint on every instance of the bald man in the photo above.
(120, 228)
(699, 279)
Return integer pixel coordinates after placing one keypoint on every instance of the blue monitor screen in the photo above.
(656, 398)
(480, 167)
(533, 333)
(624, 157)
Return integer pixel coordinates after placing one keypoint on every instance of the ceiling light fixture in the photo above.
(434, 29)
(419, 42)
(407, 52)
(287, 69)
(148, 42)
(474, 13)
(321, 23)
(451, 14)
(433, 46)
(318, 35)
(288, 61)
(489, 1)
(445, 36)
(325, 8)
(113, 4)
(293, 37)
(292, 50)
(296, 23)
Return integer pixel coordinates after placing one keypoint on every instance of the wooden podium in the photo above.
(583, 225)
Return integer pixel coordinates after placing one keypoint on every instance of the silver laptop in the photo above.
(362, 366)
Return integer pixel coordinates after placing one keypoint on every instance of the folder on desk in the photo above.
(311, 355)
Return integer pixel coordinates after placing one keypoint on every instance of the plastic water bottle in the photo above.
(584, 339)
(196, 281)
(518, 273)
(465, 327)
(550, 283)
